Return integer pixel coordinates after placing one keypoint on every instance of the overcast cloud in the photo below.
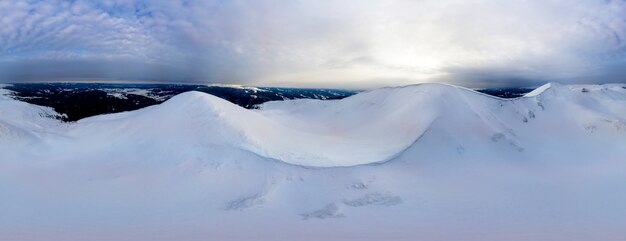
(315, 43)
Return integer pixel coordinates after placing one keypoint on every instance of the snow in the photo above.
(428, 162)
(250, 88)
(539, 90)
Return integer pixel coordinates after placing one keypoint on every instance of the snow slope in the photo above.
(429, 161)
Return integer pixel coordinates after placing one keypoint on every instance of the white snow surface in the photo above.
(422, 162)
(539, 90)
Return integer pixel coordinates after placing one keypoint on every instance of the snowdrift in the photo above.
(430, 160)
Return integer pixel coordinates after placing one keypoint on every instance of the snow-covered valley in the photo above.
(421, 162)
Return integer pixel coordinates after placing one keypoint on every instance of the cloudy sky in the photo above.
(315, 43)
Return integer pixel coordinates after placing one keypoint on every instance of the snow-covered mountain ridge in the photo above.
(371, 127)
(429, 161)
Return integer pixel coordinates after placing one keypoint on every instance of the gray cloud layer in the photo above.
(338, 43)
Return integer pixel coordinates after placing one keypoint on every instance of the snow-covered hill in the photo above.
(429, 161)
(80, 100)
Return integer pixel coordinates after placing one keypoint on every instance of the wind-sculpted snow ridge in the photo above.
(348, 136)
(370, 127)
(539, 90)
(22, 122)
(422, 162)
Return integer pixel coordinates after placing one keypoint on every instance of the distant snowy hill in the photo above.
(422, 162)
(79, 100)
